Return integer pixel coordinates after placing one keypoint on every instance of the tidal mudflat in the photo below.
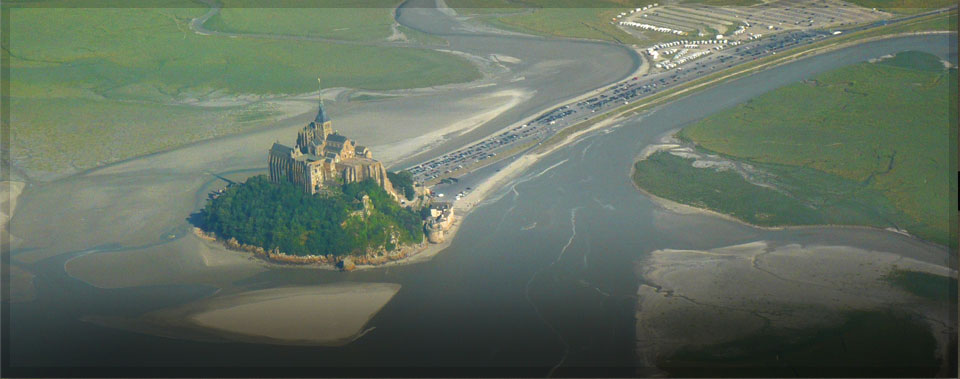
(694, 299)
(540, 276)
(333, 314)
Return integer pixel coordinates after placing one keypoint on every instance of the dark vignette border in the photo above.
(7, 371)
(301, 4)
(954, 223)
(5, 182)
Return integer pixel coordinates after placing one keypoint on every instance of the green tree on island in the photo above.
(280, 215)
(404, 181)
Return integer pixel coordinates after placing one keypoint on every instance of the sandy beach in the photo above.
(319, 315)
(494, 104)
(323, 315)
(330, 314)
(498, 180)
(694, 298)
(188, 260)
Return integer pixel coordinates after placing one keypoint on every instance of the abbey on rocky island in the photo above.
(322, 157)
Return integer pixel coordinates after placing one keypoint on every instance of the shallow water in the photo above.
(541, 276)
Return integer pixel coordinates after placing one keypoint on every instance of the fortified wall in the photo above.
(441, 217)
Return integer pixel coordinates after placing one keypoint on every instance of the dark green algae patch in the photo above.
(868, 344)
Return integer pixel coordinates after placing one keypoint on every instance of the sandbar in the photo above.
(696, 298)
(323, 315)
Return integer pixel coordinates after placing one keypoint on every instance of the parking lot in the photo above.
(745, 47)
(619, 94)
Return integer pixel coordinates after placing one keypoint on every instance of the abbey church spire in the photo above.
(322, 117)
(323, 157)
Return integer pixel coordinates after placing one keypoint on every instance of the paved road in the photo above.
(626, 92)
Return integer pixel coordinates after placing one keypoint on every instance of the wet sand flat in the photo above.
(696, 298)
(188, 260)
(21, 285)
(330, 314)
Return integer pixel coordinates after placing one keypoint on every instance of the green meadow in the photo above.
(128, 72)
(791, 196)
(947, 21)
(346, 20)
(360, 20)
(557, 18)
(739, 3)
(106, 50)
(867, 144)
(904, 6)
(589, 23)
(589, 19)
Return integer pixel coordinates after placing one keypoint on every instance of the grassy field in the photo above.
(739, 3)
(362, 20)
(939, 22)
(557, 18)
(57, 135)
(835, 143)
(904, 6)
(486, 7)
(154, 47)
(126, 72)
(590, 23)
(592, 19)
(936, 22)
(422, 38)
(799, 196)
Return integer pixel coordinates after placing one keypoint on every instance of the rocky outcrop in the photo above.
(371, 169)
(372, 258)
(346, 264)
